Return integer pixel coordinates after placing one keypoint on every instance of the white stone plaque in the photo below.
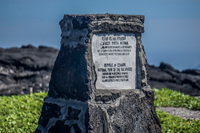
(114, 56)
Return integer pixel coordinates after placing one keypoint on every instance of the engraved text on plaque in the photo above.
(114, 56)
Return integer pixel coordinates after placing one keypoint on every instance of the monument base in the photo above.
(122, 112)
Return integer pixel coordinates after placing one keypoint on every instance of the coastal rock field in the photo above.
(28, 69)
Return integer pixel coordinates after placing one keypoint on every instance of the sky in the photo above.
(172, 27)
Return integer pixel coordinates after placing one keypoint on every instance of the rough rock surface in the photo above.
(26, 69)
(165, 76)
(74, 104)
(181, 112)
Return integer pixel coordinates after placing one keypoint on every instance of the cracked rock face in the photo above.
(75, 104)
(165, 76)
(25, 70)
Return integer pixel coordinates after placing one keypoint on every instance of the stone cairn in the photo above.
(99, 83)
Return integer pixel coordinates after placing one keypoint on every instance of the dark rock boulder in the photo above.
(26, 69)
(165, 76)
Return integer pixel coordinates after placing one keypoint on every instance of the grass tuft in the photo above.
(174, 124)
(20, 114)
(169, 98)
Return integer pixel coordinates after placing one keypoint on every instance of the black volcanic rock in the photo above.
(165, 76)
(26, 69)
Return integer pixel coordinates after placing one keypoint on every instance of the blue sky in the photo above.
(172, 27)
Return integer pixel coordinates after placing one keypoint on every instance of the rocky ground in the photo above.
(28, 69)
(165, 76)
(187, 81)
(181, 112)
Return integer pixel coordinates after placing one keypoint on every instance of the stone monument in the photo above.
(99, 83)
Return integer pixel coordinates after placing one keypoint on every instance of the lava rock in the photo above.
(25, 70)
(165, 76)
(28, 69)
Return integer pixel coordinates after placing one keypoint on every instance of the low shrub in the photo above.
(174, 124)
(20, 114)
(169, 98)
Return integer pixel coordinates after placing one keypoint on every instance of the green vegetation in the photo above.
(20, 114)
(174, 124)
(169, 98)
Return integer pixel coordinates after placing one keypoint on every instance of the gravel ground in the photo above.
(181, 112)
